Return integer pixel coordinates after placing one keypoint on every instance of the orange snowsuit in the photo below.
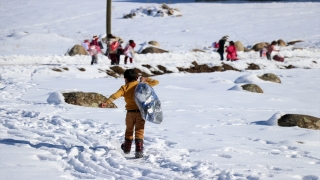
(134, 121)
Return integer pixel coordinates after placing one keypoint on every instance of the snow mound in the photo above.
(249, 78)
(56, 98)
(18, 34)
(236, 88)
(273, 121)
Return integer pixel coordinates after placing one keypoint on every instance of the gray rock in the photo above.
(281, 43)
(303, 121)
(270, 77)
(239, 46)
(154, 43)
(86, 99)
(259, 46)
(152, 50)
(252, 88)
(253, 66)
(77, 50)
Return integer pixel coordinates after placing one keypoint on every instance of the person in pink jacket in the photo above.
(231, 52)
(129, 51)
(271, 48)
(94, 49)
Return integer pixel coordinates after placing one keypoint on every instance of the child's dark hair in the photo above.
(130, 75)
(131, 41)
(231, 43)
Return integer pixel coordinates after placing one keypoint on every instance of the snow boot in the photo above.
(126, 146)
(139, 148)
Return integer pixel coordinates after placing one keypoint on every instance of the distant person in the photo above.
(231, 52)
(129, 51)
(215, 46)
(263, 51)
(220, 50)
(271, 48)
(120, 50)
(85, 44)
(95, 41)
(112, 48)
(134, 121)
(94, 49)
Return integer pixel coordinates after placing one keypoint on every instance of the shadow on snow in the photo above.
(47, 145)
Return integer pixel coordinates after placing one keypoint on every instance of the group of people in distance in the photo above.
(231, 50)
(113, 51)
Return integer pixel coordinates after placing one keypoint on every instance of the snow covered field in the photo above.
(211, 129)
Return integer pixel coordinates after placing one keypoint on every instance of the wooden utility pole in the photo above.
(108, 18)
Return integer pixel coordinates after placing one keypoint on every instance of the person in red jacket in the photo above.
(112, 47)
(129, 50)
(231, 52)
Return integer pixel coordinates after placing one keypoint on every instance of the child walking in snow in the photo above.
(134, 121)
(95, 47)
(128, 51)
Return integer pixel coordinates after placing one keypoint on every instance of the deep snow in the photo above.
(211, 130)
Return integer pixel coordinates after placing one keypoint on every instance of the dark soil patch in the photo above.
(152, 69)
(290, 67)
(204, 68)
(164, 69)
(253, 66)
(57, 70)
(141, 73)
(117, 69)
(111, 73)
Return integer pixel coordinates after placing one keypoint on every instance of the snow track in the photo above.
(198, 140)
(89, 150)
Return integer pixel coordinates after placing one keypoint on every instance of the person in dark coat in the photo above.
(222, 42)
(120, 50)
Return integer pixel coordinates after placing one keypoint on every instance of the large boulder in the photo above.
(154, 43)
(239, 46)
(86, 99)
(259, 46)
(227, 67)
(281, 43)
(153, 50)
(77, 50)
(270, 77)
(303, 121)
(252, 88)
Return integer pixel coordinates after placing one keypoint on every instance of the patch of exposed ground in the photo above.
(117, 71)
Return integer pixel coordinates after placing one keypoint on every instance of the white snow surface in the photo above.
(212, 129)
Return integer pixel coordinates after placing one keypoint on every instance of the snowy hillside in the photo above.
(212, 128)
